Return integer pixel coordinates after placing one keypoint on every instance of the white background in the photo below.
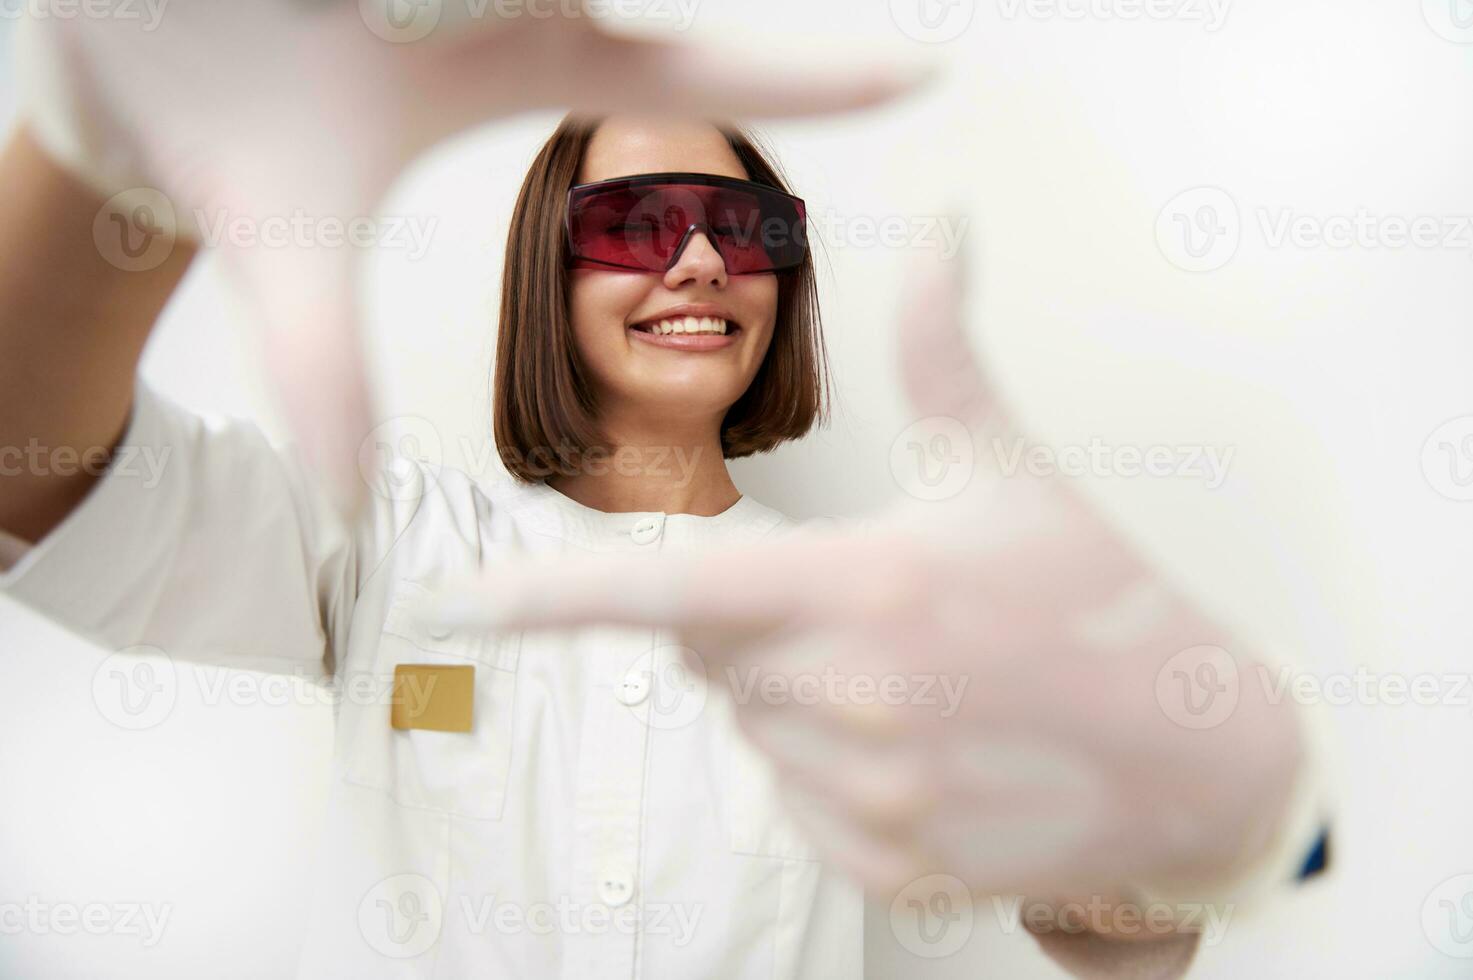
(1060, 139)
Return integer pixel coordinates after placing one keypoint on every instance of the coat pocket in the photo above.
(457, 772)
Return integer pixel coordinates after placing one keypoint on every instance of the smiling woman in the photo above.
(677, 310)
(582, 771)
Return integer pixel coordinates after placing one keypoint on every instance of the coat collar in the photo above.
(542, 510)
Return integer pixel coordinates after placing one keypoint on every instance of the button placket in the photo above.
(608, 819)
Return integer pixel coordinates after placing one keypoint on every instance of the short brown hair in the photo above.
(544, 409)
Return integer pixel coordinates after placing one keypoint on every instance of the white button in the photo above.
(615, 889)
(635, 687)
(440, 632)
(647, 530)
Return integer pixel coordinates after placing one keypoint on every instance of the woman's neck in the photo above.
(675, 470)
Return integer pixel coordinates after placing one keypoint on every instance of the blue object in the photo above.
(1318, 861)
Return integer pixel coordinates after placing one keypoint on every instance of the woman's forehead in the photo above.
(624, 146)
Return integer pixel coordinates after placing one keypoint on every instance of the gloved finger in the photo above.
(303, 299)
(940, 369)
(741, 594)
(756, 77)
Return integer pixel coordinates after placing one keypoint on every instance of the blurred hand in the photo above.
(258, 111)
(990, 669)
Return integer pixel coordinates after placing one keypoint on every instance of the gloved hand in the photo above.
(985, 686)
(258, 112)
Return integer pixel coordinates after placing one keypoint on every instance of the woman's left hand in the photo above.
(996, 687)
(272, 128)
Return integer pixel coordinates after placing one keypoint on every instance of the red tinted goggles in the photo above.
(644, 223)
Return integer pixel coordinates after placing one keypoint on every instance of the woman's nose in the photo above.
(699, 262)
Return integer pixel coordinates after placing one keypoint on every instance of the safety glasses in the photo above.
(644, 223)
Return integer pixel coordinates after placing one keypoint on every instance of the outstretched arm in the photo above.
(72, 327)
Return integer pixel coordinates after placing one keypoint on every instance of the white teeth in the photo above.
(690, 324)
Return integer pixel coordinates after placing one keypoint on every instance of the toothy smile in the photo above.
(687, 325)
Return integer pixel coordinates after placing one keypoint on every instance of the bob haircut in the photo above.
(545, 415)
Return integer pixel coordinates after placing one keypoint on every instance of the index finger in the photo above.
(748, 590)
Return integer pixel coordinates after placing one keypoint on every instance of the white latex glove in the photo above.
(1042, 747)
(262, 110)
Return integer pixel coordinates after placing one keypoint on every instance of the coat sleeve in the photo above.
(205, 542)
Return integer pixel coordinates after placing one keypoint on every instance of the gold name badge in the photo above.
(433, 697)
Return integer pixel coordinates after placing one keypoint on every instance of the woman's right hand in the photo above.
(220, 116)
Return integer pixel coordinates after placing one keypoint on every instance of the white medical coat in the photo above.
(604, 818)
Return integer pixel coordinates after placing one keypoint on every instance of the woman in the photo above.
(522, 805)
